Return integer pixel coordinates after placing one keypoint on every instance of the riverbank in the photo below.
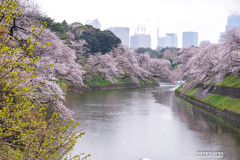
(104, 84)
(215, 101)
(122, 86)
(114, 86)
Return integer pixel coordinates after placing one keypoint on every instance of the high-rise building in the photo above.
(95, 23)
(204, 42)
(233, 21)
(122, 33)
(189, 39)
(170, 40)
(140, 40)
(161, 42)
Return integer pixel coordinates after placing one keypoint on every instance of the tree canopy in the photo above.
(61, 29)
(209, 63)
(31, 123)
(97, 40)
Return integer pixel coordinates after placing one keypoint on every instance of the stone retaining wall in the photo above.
(222, 113)
(222, 90)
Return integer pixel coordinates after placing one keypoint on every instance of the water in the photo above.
(131, 124)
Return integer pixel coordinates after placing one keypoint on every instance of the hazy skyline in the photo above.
(207, 17)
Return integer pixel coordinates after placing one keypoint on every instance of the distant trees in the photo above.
(122, 62)
(153, 53)
(61, 29)
(210, 63)
(157, 67)
(97, 40)
(161, 53)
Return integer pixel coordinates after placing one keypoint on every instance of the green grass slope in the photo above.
(215, 100)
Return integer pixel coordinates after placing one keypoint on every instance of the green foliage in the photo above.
(147, 81)
(99, 81)
(25, 132)
(107, 41)
(175, 66)
(218, 101)
(221, 102)
(60, 29)
(99, 41)
(179, 89)
(125, 79)
(169, 54)
(231, 81)
(153, 53)
(160, 56)
(46, 20)
(63, 84)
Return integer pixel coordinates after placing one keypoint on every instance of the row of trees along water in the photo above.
(211, 63)
(34, 122)
(38, 55)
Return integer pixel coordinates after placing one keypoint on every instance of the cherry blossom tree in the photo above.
(157, 67)
(210, 63)
(123, 61)
(56, 61)
(229, 53)
(62, 57)
(27, 129)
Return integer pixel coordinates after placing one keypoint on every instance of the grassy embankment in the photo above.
(64, 84)
(218, 101)
(231, 81)
(99, 81)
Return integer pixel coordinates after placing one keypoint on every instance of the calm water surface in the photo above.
(130, 124)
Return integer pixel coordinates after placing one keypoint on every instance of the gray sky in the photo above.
(207, 17)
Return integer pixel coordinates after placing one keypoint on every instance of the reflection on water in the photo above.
(130, 124)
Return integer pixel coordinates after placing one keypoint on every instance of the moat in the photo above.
(130, 124)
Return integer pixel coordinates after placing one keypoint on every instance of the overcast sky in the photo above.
(207, 17)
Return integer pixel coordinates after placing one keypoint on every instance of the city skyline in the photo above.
(233, 21)
(169, 40)
(189, 39)
(122, 33)
(207, 17)
(95, 23)
(140, 40)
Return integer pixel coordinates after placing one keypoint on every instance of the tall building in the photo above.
(140, 40)
(161, 42)
(95, 23)
(122, 33)
(170, 40)
(204, 42)
(189, 39)
(233, 21)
